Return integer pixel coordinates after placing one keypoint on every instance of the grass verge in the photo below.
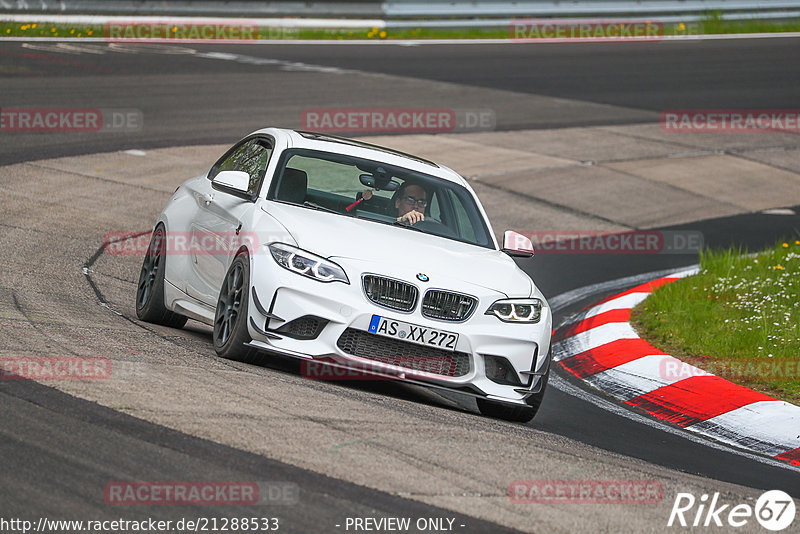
(711, 24)
(738, 318)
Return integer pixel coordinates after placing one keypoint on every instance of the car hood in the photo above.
(394, 250)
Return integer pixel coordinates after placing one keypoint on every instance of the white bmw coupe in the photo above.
(351, 257)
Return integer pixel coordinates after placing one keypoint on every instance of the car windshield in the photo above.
(379, 192)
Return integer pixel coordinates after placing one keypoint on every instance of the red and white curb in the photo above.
(600, 347)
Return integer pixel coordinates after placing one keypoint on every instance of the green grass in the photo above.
(17, 29)
(711, 24)
(714, 24)
(738, 318)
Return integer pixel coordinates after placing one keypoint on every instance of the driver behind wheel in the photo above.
(410, 203)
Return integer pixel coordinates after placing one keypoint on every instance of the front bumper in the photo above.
(280, 297)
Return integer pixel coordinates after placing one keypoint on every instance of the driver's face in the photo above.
(413, 198)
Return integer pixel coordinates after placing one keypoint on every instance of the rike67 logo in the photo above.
(774, 510)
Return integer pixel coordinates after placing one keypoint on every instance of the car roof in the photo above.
(343, 145)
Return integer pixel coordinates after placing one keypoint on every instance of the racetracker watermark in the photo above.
(186, 31)
(201, 493)
(70, 120)
(321, 370)
(586, 491)
(194, 243)
(566, 30)
(389, 120)
(730, 120)
(672, 370)
(54, 368)
(596, 242)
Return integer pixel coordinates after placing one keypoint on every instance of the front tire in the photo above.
(515, 414)
(150, 288)
(230, 319)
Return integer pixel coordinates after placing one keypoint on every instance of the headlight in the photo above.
(307, 264)
(517, 310)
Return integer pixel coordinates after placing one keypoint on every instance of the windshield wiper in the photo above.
(409, 226)
(318, 207)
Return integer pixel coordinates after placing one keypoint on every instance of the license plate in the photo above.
(420, 335)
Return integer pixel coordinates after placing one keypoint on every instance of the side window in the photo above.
(250, 157)
(463, 223)
(254, 162)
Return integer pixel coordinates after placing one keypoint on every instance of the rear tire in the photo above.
(150, 288)
(230, 319)
(515, 414)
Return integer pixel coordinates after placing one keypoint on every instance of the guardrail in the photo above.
(446, 12)
(216, 8)
(560, 8)
(397, 8)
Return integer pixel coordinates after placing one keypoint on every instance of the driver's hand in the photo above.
(412, 217)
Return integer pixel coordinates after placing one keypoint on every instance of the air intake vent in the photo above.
(390, 293)
(404, 354)
(448, 306)
(305, 327)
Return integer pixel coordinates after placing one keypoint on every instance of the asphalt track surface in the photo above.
(188, 99)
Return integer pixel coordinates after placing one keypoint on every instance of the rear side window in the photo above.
(250, 157)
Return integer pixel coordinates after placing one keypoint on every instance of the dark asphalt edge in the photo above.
(231, 458)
